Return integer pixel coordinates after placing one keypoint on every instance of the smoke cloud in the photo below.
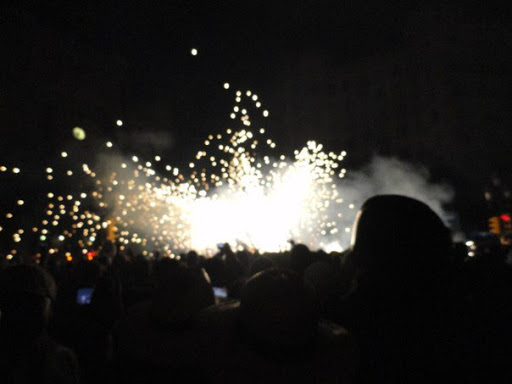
(389, 175)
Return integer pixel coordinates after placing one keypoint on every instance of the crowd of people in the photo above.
(403, 304)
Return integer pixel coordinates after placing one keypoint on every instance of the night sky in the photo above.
(88, 64)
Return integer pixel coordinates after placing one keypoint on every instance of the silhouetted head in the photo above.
(322, 277)
(180, 297)
(300, 258)
(164, 269)
(396, 235)
(277, 312)
(141, 269)
(260, 264)
(192, 259)
(216, 269)
(26, 294)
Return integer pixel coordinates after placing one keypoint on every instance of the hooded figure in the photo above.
(402, 241)
(400, 308)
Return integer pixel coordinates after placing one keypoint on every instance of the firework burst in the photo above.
(238, 189)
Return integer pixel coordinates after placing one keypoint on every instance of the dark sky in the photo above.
(89, 63)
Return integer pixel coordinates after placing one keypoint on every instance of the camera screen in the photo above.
(84, 295)
(220, 292)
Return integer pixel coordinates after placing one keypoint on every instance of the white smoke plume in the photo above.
(389, 175)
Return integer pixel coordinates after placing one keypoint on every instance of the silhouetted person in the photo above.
(216, 269)
(86, 326)
(192, 259)
(300, 258)
(158, 341)
(27, 353)
(139, 287)
(400, 308)
(163, 269)
(278, 314)
(274, 335)
(322, 278)
(259, 264)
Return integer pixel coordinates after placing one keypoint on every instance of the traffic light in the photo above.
(506, 221)
(494, 225)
